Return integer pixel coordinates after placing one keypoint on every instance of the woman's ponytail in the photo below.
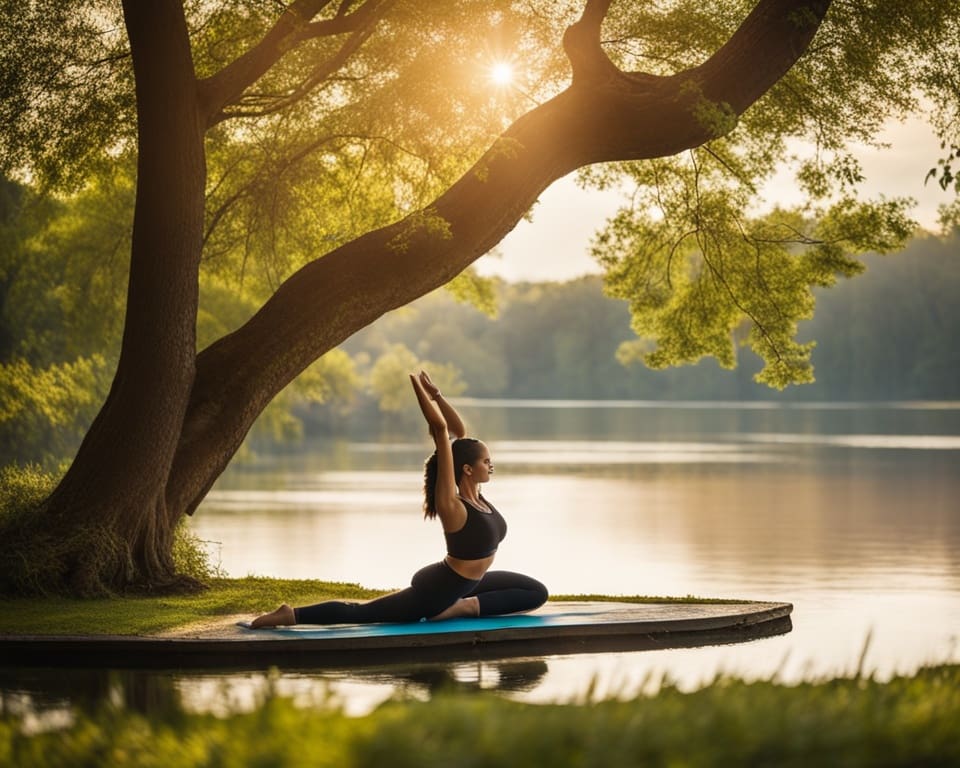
(466, 450)
(430, 486)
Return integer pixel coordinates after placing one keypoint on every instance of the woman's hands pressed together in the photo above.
(429, 387)
(454, 424)
(425, 398)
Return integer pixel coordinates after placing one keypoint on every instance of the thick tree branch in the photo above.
(294, 26)
(581, 43)
(760, 52)
(328, 300)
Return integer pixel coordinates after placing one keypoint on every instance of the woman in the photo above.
(461, 584)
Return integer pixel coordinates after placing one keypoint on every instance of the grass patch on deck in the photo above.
(139, 615)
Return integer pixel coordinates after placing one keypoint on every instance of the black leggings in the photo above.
(432, 590)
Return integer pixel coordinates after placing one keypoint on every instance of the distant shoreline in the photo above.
(796, 405)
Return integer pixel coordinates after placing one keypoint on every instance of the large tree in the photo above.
(231, 111)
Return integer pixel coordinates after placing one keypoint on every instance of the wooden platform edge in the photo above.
(262, 652)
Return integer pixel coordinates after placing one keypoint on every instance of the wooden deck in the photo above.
(556, 628)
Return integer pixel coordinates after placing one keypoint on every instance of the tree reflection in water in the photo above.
(45, 698)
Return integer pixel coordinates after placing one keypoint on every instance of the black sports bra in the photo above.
(480, 535)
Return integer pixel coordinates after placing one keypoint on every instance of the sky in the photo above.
(555, 245)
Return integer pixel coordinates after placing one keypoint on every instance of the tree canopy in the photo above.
(337, 119)
(337, 160)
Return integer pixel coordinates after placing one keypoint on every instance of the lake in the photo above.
(849, 511)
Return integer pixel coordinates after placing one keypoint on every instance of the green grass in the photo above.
(149, 615)
(137, 615)
(907, 721)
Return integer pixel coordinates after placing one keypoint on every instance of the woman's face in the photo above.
(482, 468)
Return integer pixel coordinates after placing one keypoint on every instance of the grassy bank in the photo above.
(226, 597)
(144, 615)
(908, 721)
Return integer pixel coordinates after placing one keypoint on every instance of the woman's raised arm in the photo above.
(449, 508)
(455, 425)
(430, 410)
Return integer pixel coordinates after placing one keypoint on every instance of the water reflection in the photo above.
(44, 699)
(902, 442)
(592, 453)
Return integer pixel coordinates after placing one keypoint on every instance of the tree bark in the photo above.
(605, 115)
(115, 488)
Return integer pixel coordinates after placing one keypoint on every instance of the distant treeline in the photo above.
(889, 334)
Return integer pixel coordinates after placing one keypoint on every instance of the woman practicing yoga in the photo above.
(461, 584)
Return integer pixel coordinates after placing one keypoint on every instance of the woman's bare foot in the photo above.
(465, 606)
(281, 617)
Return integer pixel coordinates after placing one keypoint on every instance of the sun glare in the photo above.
(501, 73)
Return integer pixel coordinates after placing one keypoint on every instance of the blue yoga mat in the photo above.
(485, 624)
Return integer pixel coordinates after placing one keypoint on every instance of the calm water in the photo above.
(852, 513)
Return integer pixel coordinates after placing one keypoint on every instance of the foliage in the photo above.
(191, 556)
(698, 272)
(944, 172)
(390, 384)
(906, 721)
(22, 491)
(63, 277)
(333, 380)
(22, 488)
(326, 155)
(32, 556)
(314, 155)
(61, 318)
(537, 346)
(44, 412)
(888, 335)
(66, 93)
(701, 270)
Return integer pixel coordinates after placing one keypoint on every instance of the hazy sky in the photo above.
(555, 245)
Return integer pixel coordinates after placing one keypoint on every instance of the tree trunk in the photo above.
(109, 516)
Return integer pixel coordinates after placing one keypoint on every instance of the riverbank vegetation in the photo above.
(854, 721)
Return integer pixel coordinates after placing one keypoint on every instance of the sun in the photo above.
(501, 73)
